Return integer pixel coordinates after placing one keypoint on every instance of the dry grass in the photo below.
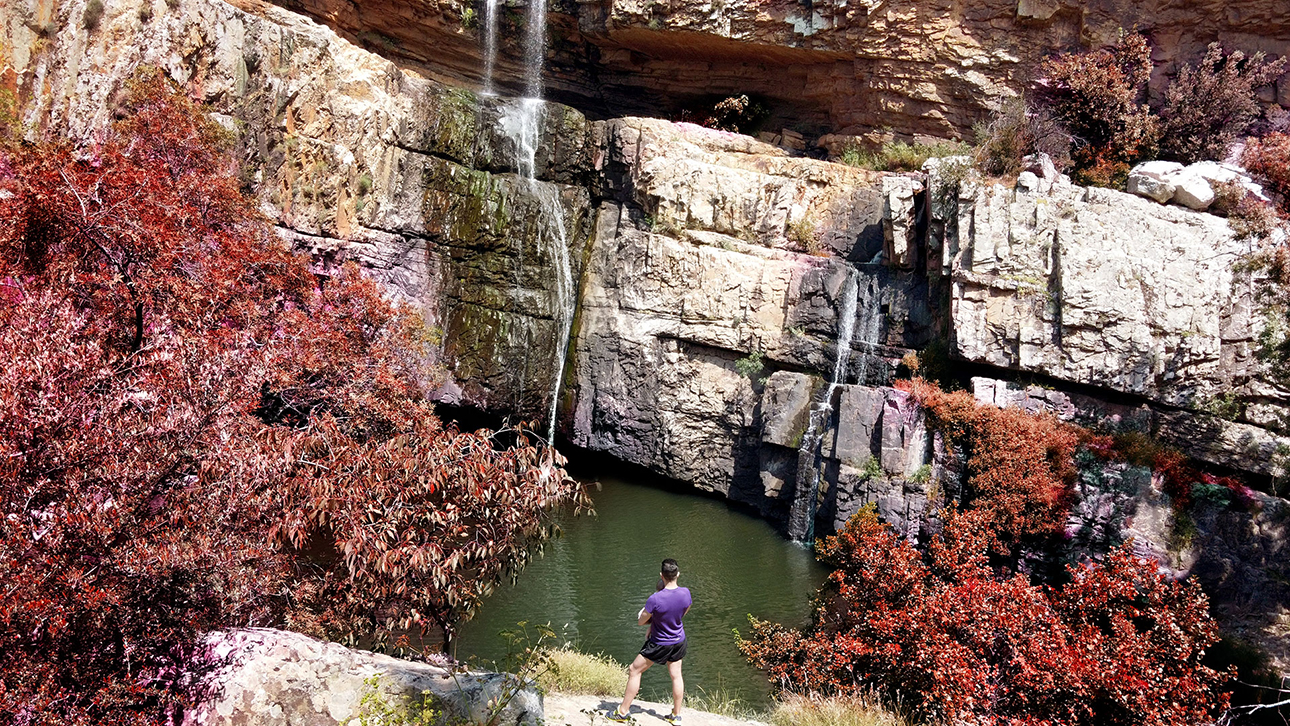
(723, 702)
(582, 674)
(853, 711)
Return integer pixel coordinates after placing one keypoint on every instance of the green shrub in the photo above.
(751, 366)
(364, 184)
(872, 468)
(374, 709)
(93, 14)
(583, 674)
(805, 232)
(1211, 104)
(922, 475)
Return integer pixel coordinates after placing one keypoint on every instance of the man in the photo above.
(665, 644)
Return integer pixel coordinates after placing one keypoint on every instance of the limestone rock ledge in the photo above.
(277, 678)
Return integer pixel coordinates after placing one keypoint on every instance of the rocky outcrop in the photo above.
(1098, 287)
(352, 157)
(930, 67)
(264, 677)
(704, 261)
(876, 449)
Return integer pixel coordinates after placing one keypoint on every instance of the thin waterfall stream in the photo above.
(490, 45)
(801, 518)
(522, 123)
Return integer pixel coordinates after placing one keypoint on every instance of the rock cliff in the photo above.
(703, 261)
(717, 277)
(926, 67)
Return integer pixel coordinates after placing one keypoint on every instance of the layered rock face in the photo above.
(926, 67)
(703, 261)
(353, 158)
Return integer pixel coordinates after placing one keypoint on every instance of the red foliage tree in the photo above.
(1208, 106)
(1020, 465)
(191, 422)
(1100, 98)
(961, 643)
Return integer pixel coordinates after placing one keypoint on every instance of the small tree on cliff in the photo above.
(959, 642)
(197, 432)
(1210, 105)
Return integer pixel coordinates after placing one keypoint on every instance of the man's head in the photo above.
(670, 570)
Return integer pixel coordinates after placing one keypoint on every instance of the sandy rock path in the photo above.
(566, 710)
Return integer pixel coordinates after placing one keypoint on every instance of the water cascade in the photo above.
(565, 300)
(522, 123)
(801, 518)
(490, 45)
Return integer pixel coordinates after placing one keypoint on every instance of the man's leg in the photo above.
(634, 671)
(678, 686)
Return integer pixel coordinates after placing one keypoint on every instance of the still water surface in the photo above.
(591, 583)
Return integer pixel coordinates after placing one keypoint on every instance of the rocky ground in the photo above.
(567, 710)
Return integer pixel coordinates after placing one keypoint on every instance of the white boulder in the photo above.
(1152, 179)
(1192, 190)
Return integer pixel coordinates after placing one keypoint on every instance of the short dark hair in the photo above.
(670, 569)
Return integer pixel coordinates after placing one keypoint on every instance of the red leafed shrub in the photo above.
(1020, 466)
(1208, 106)
(196, 432)
(1100, 99)
(958, 642)
(1268, 159)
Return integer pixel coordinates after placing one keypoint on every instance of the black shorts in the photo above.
(663, 653)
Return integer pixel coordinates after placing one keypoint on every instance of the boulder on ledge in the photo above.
(1153, 180)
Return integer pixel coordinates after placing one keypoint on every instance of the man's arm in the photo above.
(642, 617)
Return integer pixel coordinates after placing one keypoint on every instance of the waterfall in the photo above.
(522, 123)
(565, 301)
(871, 325)
(801, 518)
(490, 45)
(534, 48)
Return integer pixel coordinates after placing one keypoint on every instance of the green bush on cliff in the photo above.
(92, 15)
(900, 156)
(751, 366)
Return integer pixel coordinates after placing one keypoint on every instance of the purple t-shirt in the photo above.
(666, 607)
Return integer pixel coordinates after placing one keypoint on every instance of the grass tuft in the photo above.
(723, 702)
(851, 711)
(899, 156)
(583, 674)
